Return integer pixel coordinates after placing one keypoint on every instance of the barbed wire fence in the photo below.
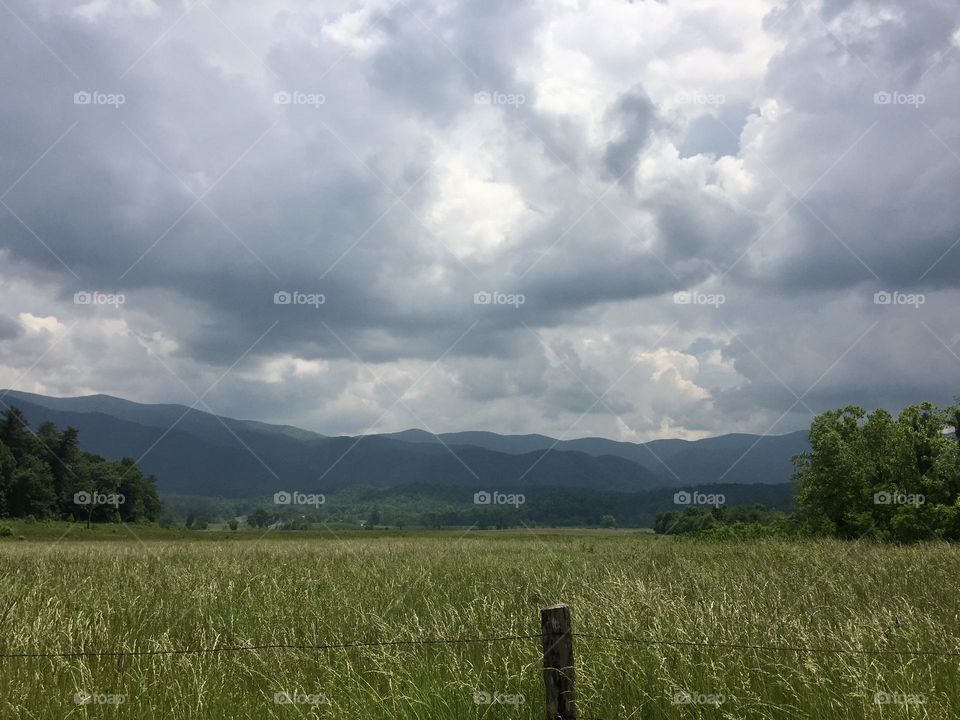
(470, 641)
(556, 637)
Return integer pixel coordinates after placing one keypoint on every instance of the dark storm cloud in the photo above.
(880, 213)
(398, 194)
(10, 329)
(636, 116)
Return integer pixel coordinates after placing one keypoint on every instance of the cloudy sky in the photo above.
(575, 217)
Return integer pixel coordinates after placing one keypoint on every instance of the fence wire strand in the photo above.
(274, 646)
(472, 641)
(774, 648)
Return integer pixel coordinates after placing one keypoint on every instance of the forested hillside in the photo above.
(45, 475)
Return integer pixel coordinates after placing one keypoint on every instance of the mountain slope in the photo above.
(543, 506)
(733, 458)
(195, 452)
(200, 456)
(195, 422)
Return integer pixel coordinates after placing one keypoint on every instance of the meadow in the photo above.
(116, 589)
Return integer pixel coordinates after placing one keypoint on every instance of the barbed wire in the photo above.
(272, 646)
(478, 640)
(776, 648)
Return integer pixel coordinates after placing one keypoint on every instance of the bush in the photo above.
(736, 521)
(742, 531)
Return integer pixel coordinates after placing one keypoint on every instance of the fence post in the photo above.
(558, 669)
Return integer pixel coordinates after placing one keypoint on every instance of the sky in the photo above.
(573, 217)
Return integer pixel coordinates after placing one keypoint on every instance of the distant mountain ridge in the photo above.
(738, 458)
(196, 453)
(203, 454)
(154, 415)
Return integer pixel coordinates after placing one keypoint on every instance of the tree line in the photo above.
(867, 475)
(45, 475)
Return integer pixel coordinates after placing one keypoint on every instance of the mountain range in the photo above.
(192, 452)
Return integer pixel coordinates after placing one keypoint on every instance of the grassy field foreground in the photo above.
(157, 595)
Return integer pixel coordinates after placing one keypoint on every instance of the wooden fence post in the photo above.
(558, 668)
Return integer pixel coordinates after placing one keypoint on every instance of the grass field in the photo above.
(123, 593)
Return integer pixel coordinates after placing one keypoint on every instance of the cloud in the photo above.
(594, 158)
(10, 329)
(636, 114)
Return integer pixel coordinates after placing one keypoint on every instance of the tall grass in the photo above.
(157, 595)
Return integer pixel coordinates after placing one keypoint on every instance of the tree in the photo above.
(608, 521)
(15, 433)
(67, 453)
(48, 435)
(31, 490)
(49, 476)
(141, 501)
(871, 475)
(259, 518)
(687, 520)
(7, 467)
(951, 418)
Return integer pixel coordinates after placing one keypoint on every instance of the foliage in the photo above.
(260, 518)
(870, 475)
(439, 506)
(717, 522)
(45, 475)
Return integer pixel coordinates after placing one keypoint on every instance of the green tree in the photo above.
(259, 518)
(41, 476)
(31, 490)
(8, 466)
(871, 475)
(67, 453)
(15, 433)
